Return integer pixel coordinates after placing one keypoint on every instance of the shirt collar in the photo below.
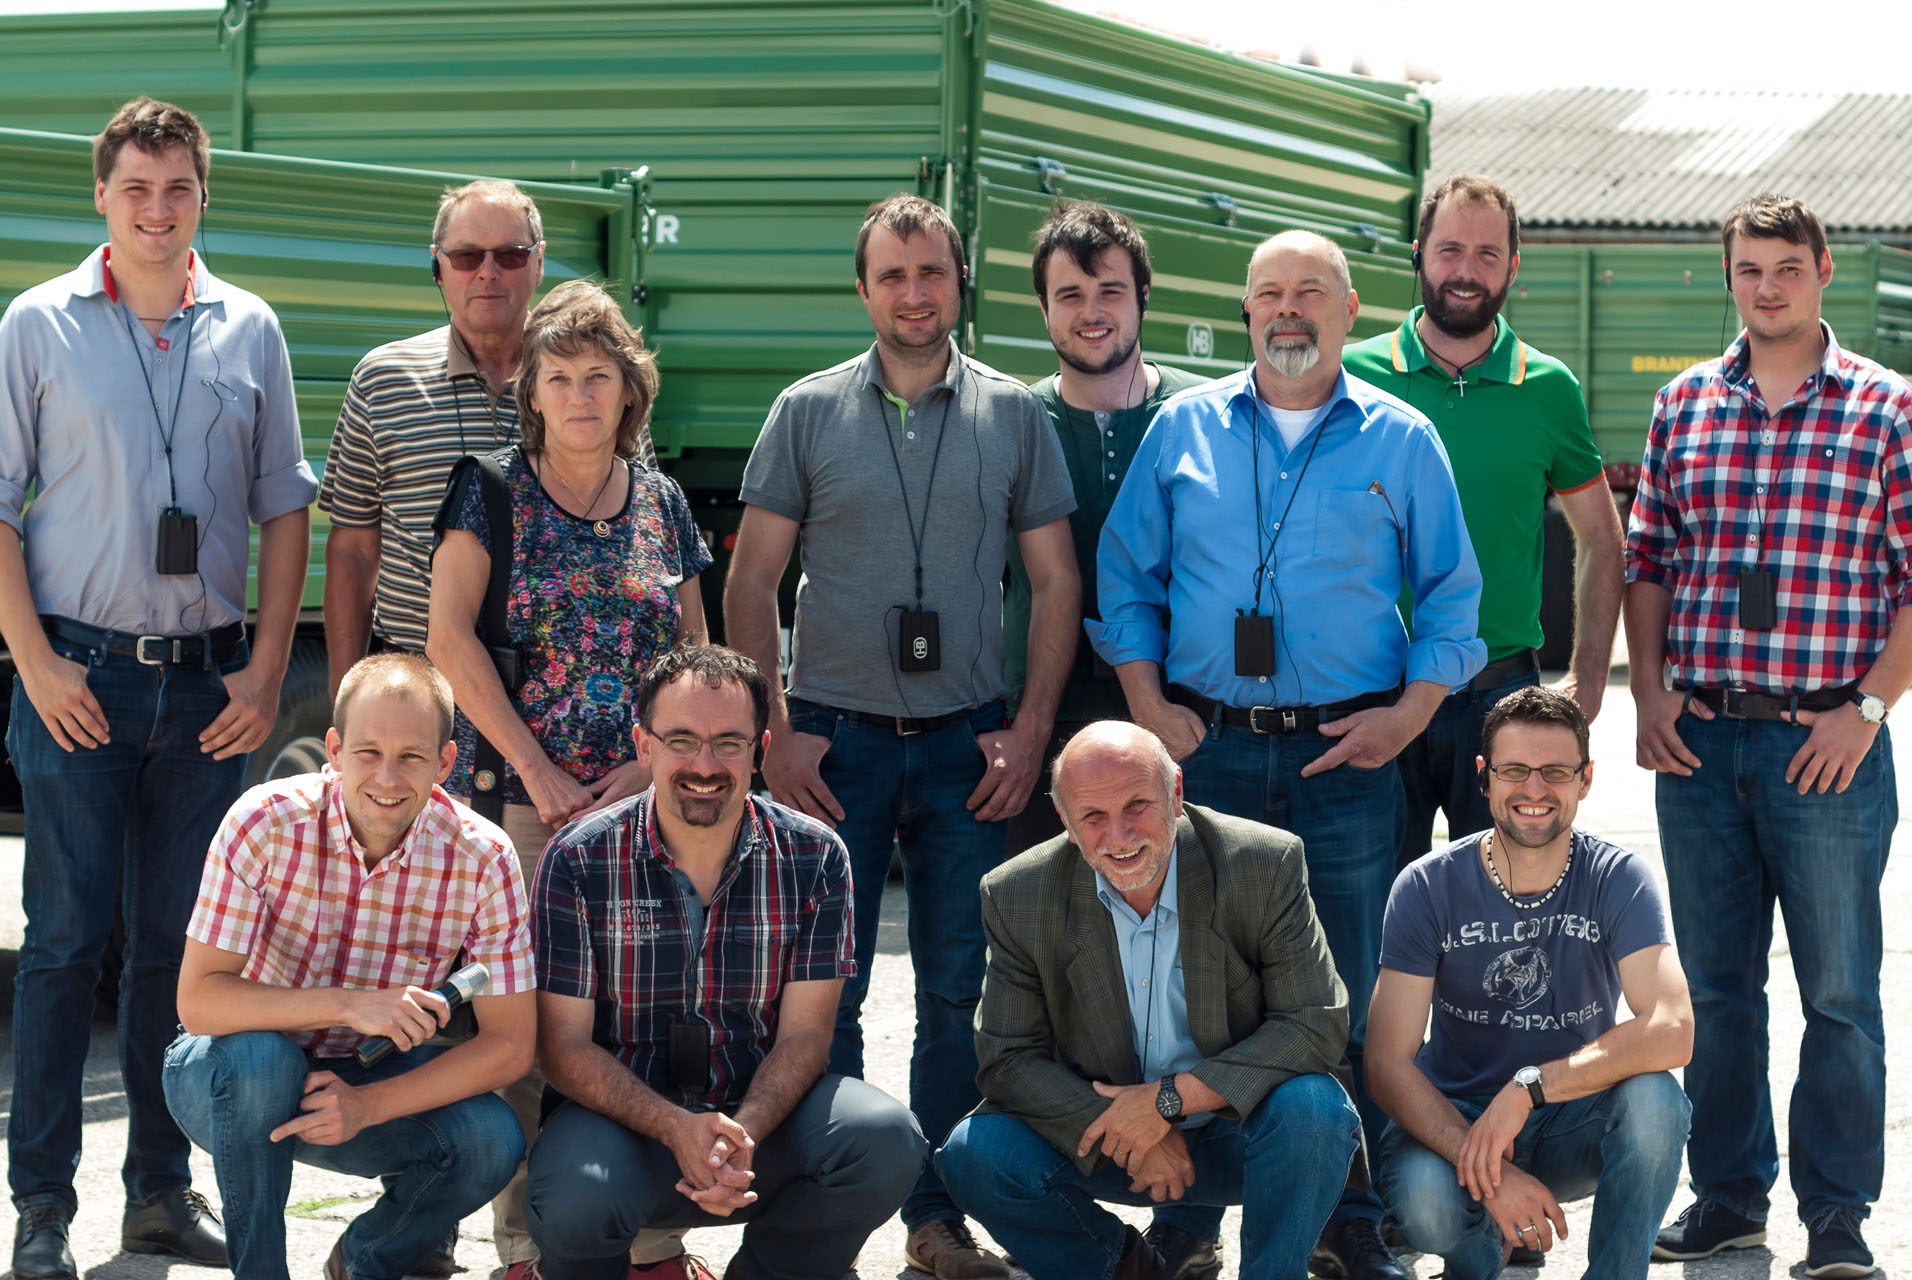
(1736, 364)
(1506, 360)
(1166, 904)
(201, 285)
(1241, 387)
(952, 374)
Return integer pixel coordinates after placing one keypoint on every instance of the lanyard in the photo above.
(166, 433)
(1254, 444)
(916, 535)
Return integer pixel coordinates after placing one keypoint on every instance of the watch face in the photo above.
(1168, 1103)
(1872, 709)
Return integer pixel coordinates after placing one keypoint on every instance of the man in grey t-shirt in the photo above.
(1521, 941)
(906, 471)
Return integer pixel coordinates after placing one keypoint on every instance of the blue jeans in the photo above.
(1438, 770)
(1346, 819)
(1621, 1146)
(1736, 837)
(230, 1092)
(125, 824)
(1286, 1163)
(909, 791)
(829, 1175)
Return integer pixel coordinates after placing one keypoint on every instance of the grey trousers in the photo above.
(834, 1170)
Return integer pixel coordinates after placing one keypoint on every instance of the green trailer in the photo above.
(1629, 318)
(766, 127)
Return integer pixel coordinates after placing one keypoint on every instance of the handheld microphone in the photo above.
(454, 991)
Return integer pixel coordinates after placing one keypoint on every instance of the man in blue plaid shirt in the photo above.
(692, 942)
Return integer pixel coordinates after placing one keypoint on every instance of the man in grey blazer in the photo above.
(1160, 1020)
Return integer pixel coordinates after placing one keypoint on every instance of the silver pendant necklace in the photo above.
(1492, 870)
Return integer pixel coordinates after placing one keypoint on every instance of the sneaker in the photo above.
(39, 1245)
(529, 1269)
(1185, 1256)
(1834, 1247)
(1703, 1230)
(443, 1263)
(1352, 1249)
(946, 1249)
(684, 1266)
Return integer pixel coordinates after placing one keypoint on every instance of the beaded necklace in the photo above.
(1488, 848)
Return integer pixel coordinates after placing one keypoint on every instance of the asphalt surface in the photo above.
(1620, 809)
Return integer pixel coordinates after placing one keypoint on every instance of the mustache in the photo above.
(1289, 327)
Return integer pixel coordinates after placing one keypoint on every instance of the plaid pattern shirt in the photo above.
(610, 926)
(285, 885)
(1818, 491)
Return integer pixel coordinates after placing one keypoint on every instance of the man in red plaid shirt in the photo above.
(1769, 562)
(329, 906)
(692, 944)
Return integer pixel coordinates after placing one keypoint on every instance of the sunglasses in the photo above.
(510, 257)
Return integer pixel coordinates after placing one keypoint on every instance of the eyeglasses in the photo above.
(510, 256)
(1554, 773)
(687, 745)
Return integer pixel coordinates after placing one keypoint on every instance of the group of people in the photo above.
(1248, 687)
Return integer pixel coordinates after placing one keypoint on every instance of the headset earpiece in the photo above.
(1415, 261)
(1142, 303)
(1482, 778)
(202, 199)
(1244, 312)
(438, 269)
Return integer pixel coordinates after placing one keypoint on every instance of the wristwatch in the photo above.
(1871, 707)
(1529, 1079)
(1168, 1102)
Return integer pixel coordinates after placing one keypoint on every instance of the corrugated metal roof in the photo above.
(1680, 158)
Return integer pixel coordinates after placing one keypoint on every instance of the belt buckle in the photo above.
(1731, 704)
(1288, 722)
(139, 651)
(906, 728)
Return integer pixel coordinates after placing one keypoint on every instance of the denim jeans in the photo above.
(125, 824)
(1286, 1163)
(1346, 819)
(1736, 837)
(1621, 1146)
(829, 1175)
(230, 1092)
(1438, 771)
(908, 792)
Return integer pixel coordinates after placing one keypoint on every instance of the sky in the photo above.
(1482, 45)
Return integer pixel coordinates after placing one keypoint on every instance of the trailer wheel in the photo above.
(297, 742)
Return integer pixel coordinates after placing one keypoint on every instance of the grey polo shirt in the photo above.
(80, 427)
(825, 460)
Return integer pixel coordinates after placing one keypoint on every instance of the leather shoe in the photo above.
(1352, 1249)
(1184, 1256)
(180, 1223)
(39, 1245)
(1139, 1261)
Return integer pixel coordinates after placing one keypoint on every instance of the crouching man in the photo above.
(330, 906)
(692, 944)
(1530, 1090)
(1160, 1020)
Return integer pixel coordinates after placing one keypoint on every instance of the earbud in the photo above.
(1415, 260)
(1142, 302)
(1244, 312)
(438, 269)
(1482, 778)
(202, 199)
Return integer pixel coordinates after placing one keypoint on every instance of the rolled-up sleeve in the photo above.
(1653, 527)
(1443, 574)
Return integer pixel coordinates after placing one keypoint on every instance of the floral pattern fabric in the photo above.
(589, 614)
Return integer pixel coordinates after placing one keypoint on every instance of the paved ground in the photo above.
(1621, 808)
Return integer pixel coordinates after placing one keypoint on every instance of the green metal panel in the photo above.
(1210, 152)
(1629, 318)
(338, 250)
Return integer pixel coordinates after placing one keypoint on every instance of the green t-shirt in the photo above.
(1098, 446)
(1517, 430)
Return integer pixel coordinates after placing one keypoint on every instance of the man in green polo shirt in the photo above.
(1093, 294)
(1515, 428)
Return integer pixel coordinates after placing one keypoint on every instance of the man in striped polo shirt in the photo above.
(414, 407)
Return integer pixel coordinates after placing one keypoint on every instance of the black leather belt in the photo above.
(205, 651)
(1496, 674)
(1748, 704)
(1279, 719)
(904, 726)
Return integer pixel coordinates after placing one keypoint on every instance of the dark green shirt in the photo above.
(1098, 446)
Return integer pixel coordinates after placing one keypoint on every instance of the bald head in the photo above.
(1108, 743)
(1331, 262)
(1120, 795)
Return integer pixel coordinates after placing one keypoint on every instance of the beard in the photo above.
(700, 810)
(1114, 360)
(1291, 358)
(1454, 321)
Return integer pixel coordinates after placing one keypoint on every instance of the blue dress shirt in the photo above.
(1151, 955)
(1374, 508)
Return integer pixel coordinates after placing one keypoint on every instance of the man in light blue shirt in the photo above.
(1276, 516)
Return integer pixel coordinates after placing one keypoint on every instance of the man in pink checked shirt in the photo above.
(329, 907)
(1768, 566)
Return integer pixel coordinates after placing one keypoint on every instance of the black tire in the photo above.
(297, 742)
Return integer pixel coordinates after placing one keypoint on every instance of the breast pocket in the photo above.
(1354, 527)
